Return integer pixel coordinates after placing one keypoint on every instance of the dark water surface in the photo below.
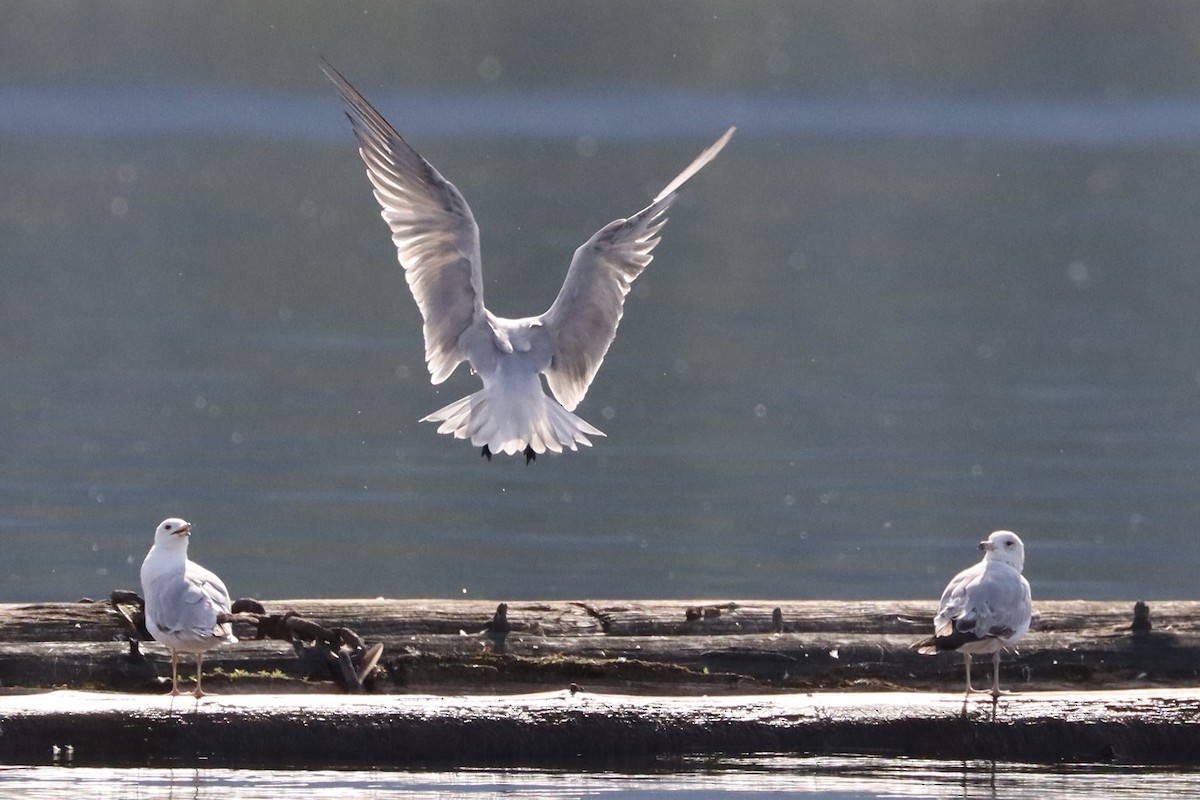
(829, 778)
(951, 290)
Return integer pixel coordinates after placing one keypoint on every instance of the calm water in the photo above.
(830, 778)
(943, 281)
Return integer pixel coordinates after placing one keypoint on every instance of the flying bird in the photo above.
(187, 607)
(985, 607)
(437, 242)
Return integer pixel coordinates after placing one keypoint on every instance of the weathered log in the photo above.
(380, 618)
(589, 730)
(670, 647)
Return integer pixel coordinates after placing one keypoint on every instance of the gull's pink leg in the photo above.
(967, 661)
(199, 661)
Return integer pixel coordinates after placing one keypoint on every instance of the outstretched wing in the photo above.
(436, 237)
(583, 320)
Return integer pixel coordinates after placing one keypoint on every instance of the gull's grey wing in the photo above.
(990, 599)
(189, 604)
(436, 238)
(212, 587)
(954, 600)
(583, 319)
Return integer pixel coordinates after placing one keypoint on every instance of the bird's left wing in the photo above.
(436, 238)
(955, 602)
(583, 319)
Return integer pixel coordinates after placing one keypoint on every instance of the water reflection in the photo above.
(760, 777)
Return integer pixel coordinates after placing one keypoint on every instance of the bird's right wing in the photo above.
(583, 320)
(208, 594)
(186, 605)
(435, 234)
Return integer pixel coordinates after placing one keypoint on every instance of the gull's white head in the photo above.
(173, 532)
(1006, 547)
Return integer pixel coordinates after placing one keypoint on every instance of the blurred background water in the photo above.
(942, 281)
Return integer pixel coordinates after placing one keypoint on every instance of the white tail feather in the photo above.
(541, 425)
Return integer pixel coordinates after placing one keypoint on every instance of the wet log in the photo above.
(589, 730)
(665, 647)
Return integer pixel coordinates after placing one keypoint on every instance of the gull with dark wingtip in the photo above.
(437, 242)
(187, 607)
(985, 608)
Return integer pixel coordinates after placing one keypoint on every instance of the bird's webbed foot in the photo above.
(529, 455)
(486, 453)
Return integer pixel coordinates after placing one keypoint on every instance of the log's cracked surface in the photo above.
(591, 730)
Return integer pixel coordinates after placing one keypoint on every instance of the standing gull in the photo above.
(437, 242)
(985, 607)
(187, 607)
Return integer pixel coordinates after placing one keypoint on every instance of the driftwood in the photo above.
(667, 647)
(586, 730)
(761, 676)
